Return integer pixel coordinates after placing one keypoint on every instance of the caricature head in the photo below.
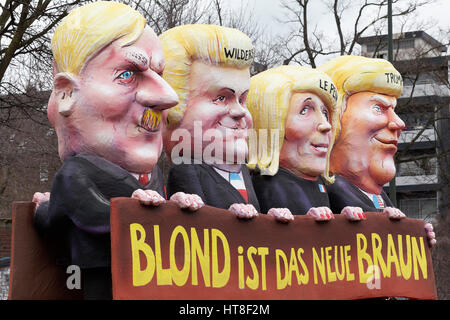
(293, 110)
(369, 127)
(108, 92)
(208, 66)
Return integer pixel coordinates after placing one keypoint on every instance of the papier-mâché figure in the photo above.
(205, 135)
(293, 110)
(367, 135)
(106, 107)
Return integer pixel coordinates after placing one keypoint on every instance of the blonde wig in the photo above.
(210, 44)
(268, 102)
(353, 74)
(89, 28)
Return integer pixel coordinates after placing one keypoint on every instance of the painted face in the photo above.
(365, 149)
(216, 104)
(120, 97)
(307, 136)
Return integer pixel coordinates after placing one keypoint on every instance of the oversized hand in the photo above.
(320, 213)
(243, 211)
(394, 213)
(148, 197)
(430, 234)
(191, 202)
(39, 198)
(353, 213)
(281, 214)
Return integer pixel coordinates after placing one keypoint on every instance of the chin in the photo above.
(139, 161)
(383, 172)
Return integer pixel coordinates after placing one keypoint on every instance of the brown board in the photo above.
(168, 253)
(34, 274)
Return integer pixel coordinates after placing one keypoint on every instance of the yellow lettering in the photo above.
(263, 252)
(180, 276)
(281, 282)
(163, 276)
(318, 265)
(377, 256)
(362, 255)
(293, 267)
(331, 275)
(202, 256)
(304, 277)
(340, 275)
(405, 267)
(348, 257)
(252, 283)
(241, 267)
(220, 279)
(419, 257)
(141, 277)
(392, 256)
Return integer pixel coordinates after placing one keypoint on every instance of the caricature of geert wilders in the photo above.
(208, 67)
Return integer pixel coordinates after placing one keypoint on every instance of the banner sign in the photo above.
(168, 253)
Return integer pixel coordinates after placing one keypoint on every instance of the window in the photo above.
(421, 167)
(404, 44)
(418, 208)
(417, 119)
(376, 46)
(396, 45)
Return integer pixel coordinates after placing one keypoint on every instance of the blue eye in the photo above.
(126, 75)
(219, 99)
(304, 110)
(377, 108)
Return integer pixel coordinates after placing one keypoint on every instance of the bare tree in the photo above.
(163, 15)
(306, 41)
(25, 25)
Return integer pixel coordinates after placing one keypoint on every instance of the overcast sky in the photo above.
(437, 15)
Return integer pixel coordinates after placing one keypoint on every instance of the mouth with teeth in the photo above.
(320, 148)
(151, 120)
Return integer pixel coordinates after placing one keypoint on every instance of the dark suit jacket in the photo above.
(343, 193)
(76, 219)
(203, 180)
(286, 190)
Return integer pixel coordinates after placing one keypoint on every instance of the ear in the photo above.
(65, 86)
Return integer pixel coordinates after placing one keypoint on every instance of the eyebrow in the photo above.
(138, 59)
(230, 90)
(383, 100)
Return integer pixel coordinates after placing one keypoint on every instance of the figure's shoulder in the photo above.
(72, 165)
(86, 164)
(342, 188)
(184, 168)
(185, 173)
(281, 180)
(339, 183)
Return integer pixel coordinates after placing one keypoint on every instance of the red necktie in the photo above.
(143, 179)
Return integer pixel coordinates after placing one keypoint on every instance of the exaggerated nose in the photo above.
(395, 123)
(323, 125)
(156, 93)
(236, 110)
